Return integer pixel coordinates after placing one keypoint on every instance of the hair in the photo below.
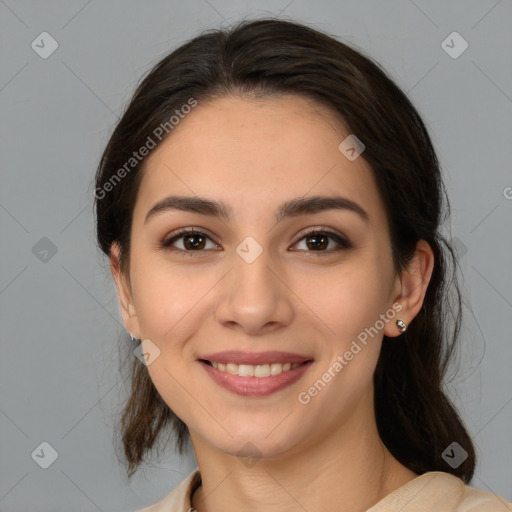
(268, 57)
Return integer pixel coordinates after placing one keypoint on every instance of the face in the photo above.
(306, 287)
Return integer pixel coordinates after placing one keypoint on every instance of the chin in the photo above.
(256, 443)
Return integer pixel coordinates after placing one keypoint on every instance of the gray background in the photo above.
(59, 316)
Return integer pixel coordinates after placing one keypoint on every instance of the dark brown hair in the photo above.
(415, 418)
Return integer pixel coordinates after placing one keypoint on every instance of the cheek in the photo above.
(166, 296)
(347, 300)
(350, 304)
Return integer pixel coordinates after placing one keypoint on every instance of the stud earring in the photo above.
(402, 327)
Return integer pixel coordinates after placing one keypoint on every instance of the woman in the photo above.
(270, 203)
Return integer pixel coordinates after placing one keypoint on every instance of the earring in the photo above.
(402, 327)
(132, 336)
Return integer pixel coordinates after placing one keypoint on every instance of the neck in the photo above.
(348, 470)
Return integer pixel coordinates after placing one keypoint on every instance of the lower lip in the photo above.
(255, 386)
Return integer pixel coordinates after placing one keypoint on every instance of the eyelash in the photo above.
(181, 233)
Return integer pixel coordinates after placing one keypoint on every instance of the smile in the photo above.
(255, 380)
(249, 370)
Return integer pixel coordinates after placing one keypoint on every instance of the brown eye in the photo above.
(192, 241)
(318, 241)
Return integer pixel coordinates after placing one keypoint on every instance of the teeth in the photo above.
(260, 370)
(246, 370)
(232, 368)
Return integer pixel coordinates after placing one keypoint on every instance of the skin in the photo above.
(254, 154)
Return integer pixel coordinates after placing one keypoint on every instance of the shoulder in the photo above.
(178, 500)
(434, 490)
(475, 500)
(437, 490)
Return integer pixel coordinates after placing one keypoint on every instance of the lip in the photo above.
(255, 386)
(255, 358)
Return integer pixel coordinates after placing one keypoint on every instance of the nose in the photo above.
(254, 297)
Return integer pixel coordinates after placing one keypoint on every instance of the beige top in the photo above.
(433, 491)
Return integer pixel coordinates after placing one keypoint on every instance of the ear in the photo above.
(411, 287)
(124, 293)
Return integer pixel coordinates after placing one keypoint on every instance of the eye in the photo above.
(192, 241)
(317, 240)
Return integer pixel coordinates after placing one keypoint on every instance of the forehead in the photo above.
(254, 153)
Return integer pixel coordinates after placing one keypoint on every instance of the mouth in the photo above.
(255, 380)
(249, 370)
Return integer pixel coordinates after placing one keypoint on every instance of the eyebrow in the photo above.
(292, 208)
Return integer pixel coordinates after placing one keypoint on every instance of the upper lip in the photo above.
(254, 358)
